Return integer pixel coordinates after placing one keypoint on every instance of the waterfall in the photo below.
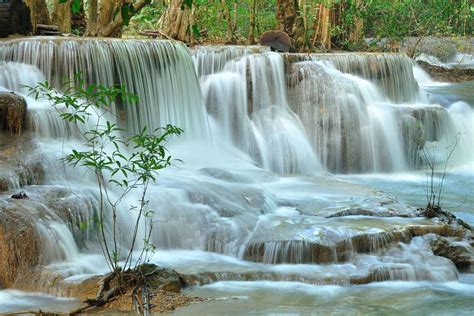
(392, 73)
(352, 126)
(261, 131)
(249, 101)
(159, 73)
(212, 59)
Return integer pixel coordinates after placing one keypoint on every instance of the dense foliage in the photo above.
(381, 19)
(314, 23)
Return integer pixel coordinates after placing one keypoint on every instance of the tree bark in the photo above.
(286, 14)
(92, 23)
(106, 15)
(290, 21)
(228, 19)
(357, 32)
(322, 24)
(61, 16)
(176, 22)
(39, 13)
(116, 25)
(253, 11)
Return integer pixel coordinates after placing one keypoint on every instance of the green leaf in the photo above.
(125, 12)
(76, 6)
(195, 30)
(188, 3)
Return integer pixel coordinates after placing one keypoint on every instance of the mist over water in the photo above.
(265, 143)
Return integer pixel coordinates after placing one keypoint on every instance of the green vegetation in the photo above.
(312, 24)
(119, 164)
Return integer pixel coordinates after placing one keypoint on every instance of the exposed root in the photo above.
(141, 282)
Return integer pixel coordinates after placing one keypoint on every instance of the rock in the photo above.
(325, 242)
(20, 196)
(19, 243)
(3, 184)
(445, 217)
(12, 112)
(14, 18)
(448, 74)
(162, 278)
(460, 253)
(277, 40)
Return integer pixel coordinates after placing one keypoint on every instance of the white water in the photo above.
(254, 150)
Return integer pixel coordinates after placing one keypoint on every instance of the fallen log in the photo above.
(47, 27)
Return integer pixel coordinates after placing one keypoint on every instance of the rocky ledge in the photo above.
(444, 74)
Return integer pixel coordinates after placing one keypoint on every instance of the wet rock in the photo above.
(12, 112)
(328, 244)
(20, 196)
(376, 213)
(3, 184)
(162, 278)
(445, 217)
(459, 252)
(19, 243)
(448, 74)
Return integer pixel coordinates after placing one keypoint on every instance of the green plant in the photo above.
(120, 164)
(434, 186)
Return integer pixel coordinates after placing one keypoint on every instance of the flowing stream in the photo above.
(274, 147)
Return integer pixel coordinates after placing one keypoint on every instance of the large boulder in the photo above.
(19, 242)
(277, 40)
(12, 112)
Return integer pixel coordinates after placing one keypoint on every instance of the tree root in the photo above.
(116, 284)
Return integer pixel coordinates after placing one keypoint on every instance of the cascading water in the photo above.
(249, 202)
(146, 68)
(351, 125)
(257, 118)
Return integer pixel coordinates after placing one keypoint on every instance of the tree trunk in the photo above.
(253, 9)
(14, 19)
(286, 14)
(235, 18)
(115, 27)
(92, 23)
(176, 22)
(356, 34)
(228, 19)
(290, 21)
(61, 16)
(192, 39)
(322, 34)
(106, 15)
(39, 13)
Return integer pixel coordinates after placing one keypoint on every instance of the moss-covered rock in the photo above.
(12, 113)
